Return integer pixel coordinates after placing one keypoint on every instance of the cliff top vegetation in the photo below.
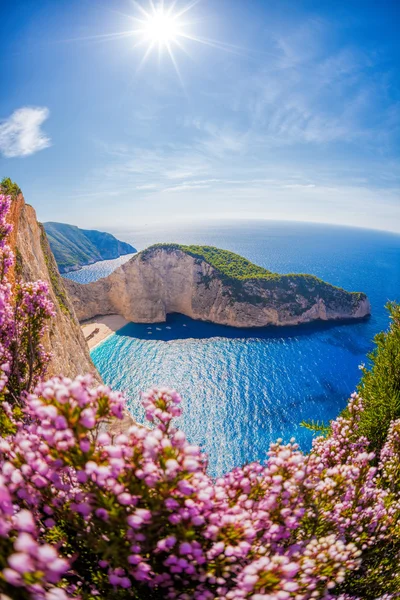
(228, 263)
(74, 247)
(9, 187)
(380, 383)
(237, 268)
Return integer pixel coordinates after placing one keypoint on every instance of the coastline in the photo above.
(98, 329)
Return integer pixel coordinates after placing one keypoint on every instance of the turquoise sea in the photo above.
(242, 389)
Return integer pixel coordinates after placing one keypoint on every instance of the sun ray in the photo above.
(140, 8)
(182, 47)
(171, 54)
(101, 37)
(145, 56)
(162, 23)
(162, 26)
(214, 43)
(171, 7)
(153, 7)
(186, 8)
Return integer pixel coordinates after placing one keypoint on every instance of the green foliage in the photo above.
(380, 384)
(378, 574)
(107, 245)
(18, 263)
(56, 282)
(318, 427)
(237, 267)
(8, 421)
(235, 270)
(9, 187)
(380, 389)
(74, 247)
(228, 263)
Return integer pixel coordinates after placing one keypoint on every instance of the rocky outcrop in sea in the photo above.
(177, 279)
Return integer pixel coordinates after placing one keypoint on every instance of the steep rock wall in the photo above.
(34, 260)
(160, 281)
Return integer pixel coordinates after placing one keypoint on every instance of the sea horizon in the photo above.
(128, 233)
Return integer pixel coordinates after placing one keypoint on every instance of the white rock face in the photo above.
(162, 280)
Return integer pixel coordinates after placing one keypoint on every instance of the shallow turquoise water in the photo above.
(97, 270)
(242, 389)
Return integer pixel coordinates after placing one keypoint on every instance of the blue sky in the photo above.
(291, 110)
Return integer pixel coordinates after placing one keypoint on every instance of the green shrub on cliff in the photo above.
(228, 263)
(9, 187)
(380, 384)
(235, 269)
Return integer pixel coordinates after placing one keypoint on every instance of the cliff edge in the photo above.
(34, 260)
(210, 284)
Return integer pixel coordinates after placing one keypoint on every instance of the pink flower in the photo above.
(88, 418)
(12, 577)
(24, 521)
(25, 543)
(125, 499)
(20, 562)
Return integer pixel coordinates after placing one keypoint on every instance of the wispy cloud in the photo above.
(185, 187)
(298, 185)
(304, 134)
(310, 93)
(178, 174)
(147, 186)
(21, 133)
(215, 141)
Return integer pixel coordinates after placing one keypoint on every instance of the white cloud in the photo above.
(186, 187)
(217, 141)
(147, 186)
(21, 134)
(299, 185)
(311, 94)
(172, 162)
(178, 174)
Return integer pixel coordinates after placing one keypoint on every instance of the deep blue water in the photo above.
(242, 389)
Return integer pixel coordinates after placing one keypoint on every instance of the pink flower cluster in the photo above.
(24, 314)
(6, 309)
(145, 509)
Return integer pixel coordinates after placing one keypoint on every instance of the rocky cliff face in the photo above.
(164, 280)
(34, 260)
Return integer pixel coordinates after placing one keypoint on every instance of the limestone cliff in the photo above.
(212, 285)
(34, 260)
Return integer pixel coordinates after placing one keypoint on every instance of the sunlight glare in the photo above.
(161, 28)
(166, 27)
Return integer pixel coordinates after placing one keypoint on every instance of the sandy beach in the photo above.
(98, 329)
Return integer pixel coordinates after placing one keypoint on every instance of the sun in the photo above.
(165, 28)
(162, 28)
(168, 26)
